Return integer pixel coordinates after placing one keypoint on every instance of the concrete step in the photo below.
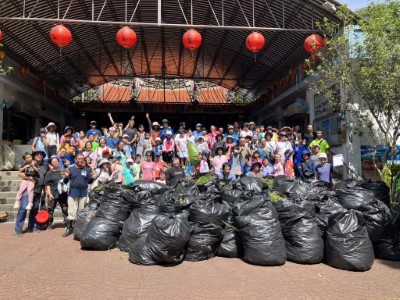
(8, 177)
(4, 173)
(10, 183)
(9, 189)
(7, 195)
(13, 214)
(7, 201)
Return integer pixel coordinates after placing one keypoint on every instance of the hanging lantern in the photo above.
(126, 37)
(61, 36)
(1, 35)
(192, 40)
(293, 72)
(42, 83)
(314, 43)
(255, 42)
(24, 70)
(2, 55)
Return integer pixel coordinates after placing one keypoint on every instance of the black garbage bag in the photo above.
(303, 237)
(325, 210)
(347, 244)
(260, 232)
(149, 186)
(246, 183)
(100, 234)
(177, 201)
(379, 189)
(354, 198)
(282, 184)
(114, 205)
(137, 225)
(165, 241)
(231, 196)
(83, 218)
(209, 213)
(306, 190)
(204, 242)
(231, 244)
(388, 245)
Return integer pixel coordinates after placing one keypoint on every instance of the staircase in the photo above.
(9, 183)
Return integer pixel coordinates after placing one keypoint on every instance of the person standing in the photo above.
(324, 169)
(79, 178)
(37, 193)
(309, 135)
(40, 143)
(133, 136)
(52, 139)
(54, 195)
(147, 167)
(321, 142)
(182, 147)
(93, 130)
(112, 141)
(219, 160)
(175, 173)
(165, 129)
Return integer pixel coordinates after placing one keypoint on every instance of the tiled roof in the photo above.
(114, 93)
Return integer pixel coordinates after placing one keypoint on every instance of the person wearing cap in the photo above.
(219, 142)
(133, 137)
(79, 177)
(252, 127)
(273, 132)
(93, 129)
(246, 131)
(40, 143)
(175, 173)
(233, 134)
(182, 147)
(37, 194)
(112, 141)
(168, 148)
(255, 171)
(54, 192)
(102, 173)
(283, 144)
(128, 173)
(218, 160)
(202, 146)
(198, 132)
(324, 169)
(321, 142)
(307, 167)
(52, 138)
(164, 129)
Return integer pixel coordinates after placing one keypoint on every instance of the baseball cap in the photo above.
(105, 152)
(42, 129)
(322, 155)
(199, 125)
(129, 160)
(125, 136)
(231, 127)
(283, 133)
(269, 127)
(158, 139)
(93, 122)
(169, 132)
(112, 129)
(164, 121)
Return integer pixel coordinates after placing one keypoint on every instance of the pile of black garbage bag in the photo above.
(345, 226)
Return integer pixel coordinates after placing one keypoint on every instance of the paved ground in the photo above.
(46, 266)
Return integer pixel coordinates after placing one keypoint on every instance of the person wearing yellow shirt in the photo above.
(321, 142)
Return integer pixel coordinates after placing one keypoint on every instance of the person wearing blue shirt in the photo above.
(298, 151)
(112, 141)
(231, 132)
(226, 173)
(324, 169)
(307, 167)
(93, 130)
(79, 177)
(197, 133)
(164, 129)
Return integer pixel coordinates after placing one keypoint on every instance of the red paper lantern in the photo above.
(314, 43)
(126, 37)
(24, 70)
(61, 36)
(1, 35)
(42, 83)
(255, 42)
(192, 40)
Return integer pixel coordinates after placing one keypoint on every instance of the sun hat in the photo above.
(68, 128)
(38, 152)
(125, 136)
(164, 121)
(112, 129)
(102, 162)
(51, 124)
(129, 160)
(93, 122)
(231, 127)
(157, 139)
(256, 164)
(323, 155)
(168, 132)
(156, 124)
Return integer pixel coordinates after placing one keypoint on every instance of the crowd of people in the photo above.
(65, 166)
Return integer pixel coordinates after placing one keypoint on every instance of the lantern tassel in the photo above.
(255, 57)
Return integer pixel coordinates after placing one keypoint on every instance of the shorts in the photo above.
(183, 154)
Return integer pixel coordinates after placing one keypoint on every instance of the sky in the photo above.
(357, 4)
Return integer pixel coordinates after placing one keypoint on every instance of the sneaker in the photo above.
(29, 206)
(17, 204)
(18, 234)
(35, 230)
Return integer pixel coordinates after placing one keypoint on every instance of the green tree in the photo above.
(4, 71)
(362, 56)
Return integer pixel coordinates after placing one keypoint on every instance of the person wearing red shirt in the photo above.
(159, 165)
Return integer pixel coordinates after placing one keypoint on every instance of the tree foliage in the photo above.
(362, 55)
(4, 71)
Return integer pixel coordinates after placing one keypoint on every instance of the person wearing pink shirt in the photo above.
(148, 167)
(219, 160)
(168, 148)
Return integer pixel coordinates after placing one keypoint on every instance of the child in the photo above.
(289, 165)
(146, 143)
(137, 166)
(117, 168)
(158, 148)
(168, 148)
(40, 143)
(162, 177)
(182, 147)
(159, 165)
(203, 165)
(219, 160)
(31, 170)
(278, 166)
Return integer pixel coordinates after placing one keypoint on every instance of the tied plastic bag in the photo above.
(209, 213)
(251, 184)
(260, 232)
(231, 244)
(347, 244)
(83, 218)
(164, 243)
(325, 211)
(150, 186)
(204, 242)
(114, 205)
(388, 246)
(7, 158)
(179, 199)
(137, 225)
(304, 243)
(100, 234)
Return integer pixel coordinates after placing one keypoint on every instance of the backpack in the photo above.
(62, 187)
